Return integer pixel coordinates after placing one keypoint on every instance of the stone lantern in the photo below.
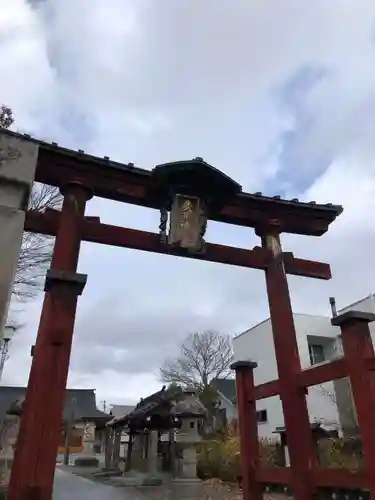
(190, 411)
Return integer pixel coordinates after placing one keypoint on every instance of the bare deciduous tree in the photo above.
(36, 249)
(203, 357)
(344, 404)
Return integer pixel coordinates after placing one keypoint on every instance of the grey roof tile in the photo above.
(80, 402)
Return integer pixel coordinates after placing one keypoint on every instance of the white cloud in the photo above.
(150, 82)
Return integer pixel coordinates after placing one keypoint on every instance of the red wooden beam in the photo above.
(339, 478)
(267, 390)
(96, 232)
(325, 372)
(312, 376)
(274, 475)
(319, 374)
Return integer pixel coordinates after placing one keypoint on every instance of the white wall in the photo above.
(230, 408)
(365, 305)
(257, 345)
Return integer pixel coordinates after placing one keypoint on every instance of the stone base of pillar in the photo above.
(137, 479)
(188, 474)
(186, 480)
(86, 461)
(87, 458)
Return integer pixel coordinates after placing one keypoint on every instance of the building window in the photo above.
(262, 416)
(316, 353)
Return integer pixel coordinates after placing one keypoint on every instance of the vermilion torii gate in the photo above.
(188, 194)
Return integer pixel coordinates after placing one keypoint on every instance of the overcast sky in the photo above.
(279, 94)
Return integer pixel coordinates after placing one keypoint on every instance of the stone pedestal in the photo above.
(137, 451)
(18, 159)
(189, 464)
(152, 459)
(153, 476)
(88, 457)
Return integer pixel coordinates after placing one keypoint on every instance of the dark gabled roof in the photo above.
(80, 403)
(226, 386)
(148, 406)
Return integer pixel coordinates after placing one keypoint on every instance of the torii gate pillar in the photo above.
(35, 455)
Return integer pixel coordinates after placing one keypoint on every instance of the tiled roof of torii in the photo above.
(327, 210)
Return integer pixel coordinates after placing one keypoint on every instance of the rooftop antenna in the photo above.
(332, 302)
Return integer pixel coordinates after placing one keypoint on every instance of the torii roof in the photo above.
(130, 184)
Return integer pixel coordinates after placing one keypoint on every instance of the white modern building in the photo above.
(329, 404)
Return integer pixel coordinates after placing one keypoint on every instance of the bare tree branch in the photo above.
(36, 250)
(203, 357)
(346, 409)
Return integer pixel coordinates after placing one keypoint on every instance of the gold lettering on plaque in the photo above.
(186, 211)
(185, 222)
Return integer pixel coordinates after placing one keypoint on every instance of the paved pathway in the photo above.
(71, 487)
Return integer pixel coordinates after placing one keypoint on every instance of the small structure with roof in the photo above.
(153, 451)
(82, 426)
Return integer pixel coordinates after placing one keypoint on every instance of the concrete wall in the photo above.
(257, 344)
(17, 171)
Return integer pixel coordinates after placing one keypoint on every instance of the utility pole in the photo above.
(104, 403)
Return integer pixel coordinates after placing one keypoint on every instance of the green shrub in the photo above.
(220, 458)
(343, 453)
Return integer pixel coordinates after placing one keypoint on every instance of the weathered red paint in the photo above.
(131, 185)
(315, 375)
(293, 398)
(34, 462)
(35, 455)
(248, 429)
(321, 478)
(358, 347)
(96, 232)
